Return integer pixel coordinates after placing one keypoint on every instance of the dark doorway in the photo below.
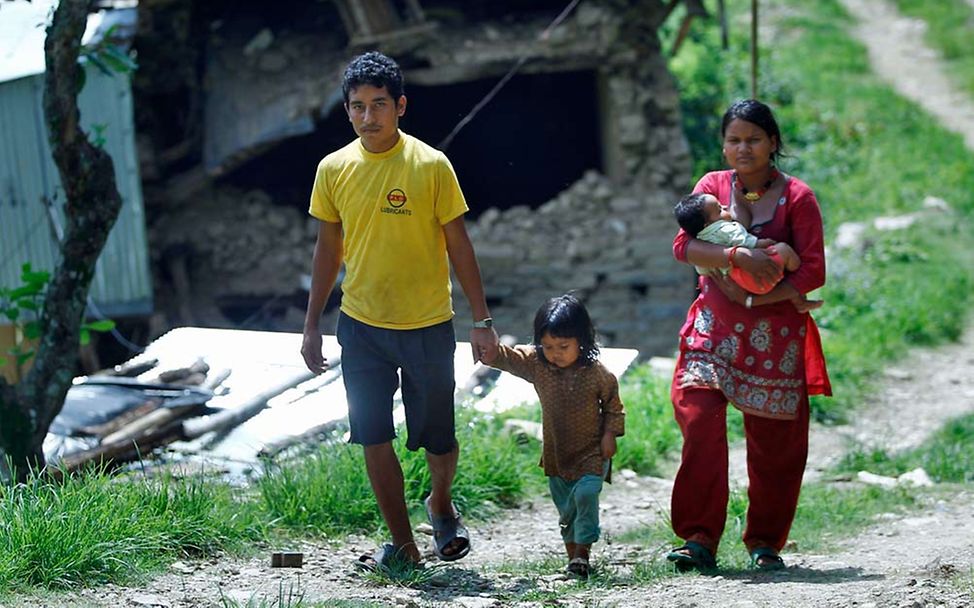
(534, 139)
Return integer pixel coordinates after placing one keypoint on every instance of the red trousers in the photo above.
(776, 454)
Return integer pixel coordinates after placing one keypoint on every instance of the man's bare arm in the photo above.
(483, 342)
(324, 271)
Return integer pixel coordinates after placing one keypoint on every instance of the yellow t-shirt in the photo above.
(392, 207)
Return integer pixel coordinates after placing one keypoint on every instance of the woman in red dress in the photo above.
(761, 353)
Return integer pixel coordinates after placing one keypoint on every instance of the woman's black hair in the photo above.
(755, 112)
(375, 69)
(565, 317)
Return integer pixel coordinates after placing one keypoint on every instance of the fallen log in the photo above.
(105, 429)
(230, 418)
(277, 446)
(146, 424)
(123, 451)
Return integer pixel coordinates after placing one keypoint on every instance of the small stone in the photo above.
(182, 568)
(148, 599)
(476, 602)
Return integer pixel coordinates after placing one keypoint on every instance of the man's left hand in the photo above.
(483, 343)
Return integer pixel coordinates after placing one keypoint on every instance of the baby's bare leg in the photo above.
(788, 256)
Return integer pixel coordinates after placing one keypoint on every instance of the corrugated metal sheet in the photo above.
(28, 176)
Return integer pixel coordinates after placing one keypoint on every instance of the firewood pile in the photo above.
(112, 417)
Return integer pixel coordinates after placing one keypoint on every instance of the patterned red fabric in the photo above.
(767, 359)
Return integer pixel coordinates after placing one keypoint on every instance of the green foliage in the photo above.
(22, 305)
(896, 294)
(107, 56)
(651, 433)
(91, 529)
(290, 597)
(946, 457)
(97, 135)
(828, 515)
(326, 493)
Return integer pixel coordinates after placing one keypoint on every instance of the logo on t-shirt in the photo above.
(396, 199)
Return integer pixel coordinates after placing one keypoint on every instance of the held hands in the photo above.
(311, 351)
(608, 446)
(483, 344)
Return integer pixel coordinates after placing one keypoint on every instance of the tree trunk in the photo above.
(91, 208)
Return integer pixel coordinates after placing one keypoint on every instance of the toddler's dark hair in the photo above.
(565, 317)
(689, 213)
(375, 69)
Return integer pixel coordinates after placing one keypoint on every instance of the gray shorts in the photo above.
(371, 360)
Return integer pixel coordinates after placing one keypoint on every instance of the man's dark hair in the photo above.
(689, 213)
(566, 317)
(375, 69)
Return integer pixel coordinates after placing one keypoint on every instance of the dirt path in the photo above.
(900, 56)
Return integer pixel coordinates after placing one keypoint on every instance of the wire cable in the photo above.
(443, 145)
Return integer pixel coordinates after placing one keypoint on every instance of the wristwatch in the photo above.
(483, 323)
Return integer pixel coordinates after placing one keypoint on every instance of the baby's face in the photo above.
(713, 211)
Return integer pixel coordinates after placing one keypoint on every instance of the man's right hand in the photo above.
(311, 351)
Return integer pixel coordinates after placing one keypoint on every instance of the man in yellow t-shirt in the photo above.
(392, 210)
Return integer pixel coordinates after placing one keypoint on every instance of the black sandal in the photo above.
(579, 566)
(692, 555)
(766, 558)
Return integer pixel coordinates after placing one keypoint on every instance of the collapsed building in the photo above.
(570, 168)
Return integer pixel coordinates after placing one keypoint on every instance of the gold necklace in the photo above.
(756, 196)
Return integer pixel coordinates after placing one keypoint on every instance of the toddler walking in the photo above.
(581, 413)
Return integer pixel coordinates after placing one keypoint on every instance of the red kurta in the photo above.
(766, 359)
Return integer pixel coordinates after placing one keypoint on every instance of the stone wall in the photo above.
(610, 245)
(608, 237)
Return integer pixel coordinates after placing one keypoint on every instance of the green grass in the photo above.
(949, 26)
(329, 492)
(652, 435)
(91, 529)
(946, 457)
